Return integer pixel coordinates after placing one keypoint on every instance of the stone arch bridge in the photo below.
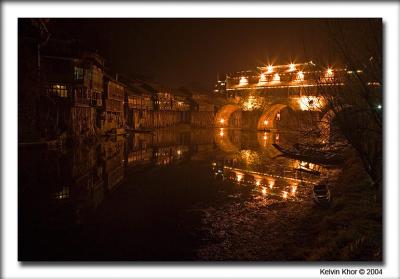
(259, 97)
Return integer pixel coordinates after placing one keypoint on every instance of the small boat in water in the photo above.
(312, 156)
(321, 194)
(309, 171)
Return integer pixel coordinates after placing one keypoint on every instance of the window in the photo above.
(59, 90)
(78, 73)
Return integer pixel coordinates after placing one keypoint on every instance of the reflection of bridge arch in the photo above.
(267, 119)
(224, 143)
(224, 113)
(265, 141)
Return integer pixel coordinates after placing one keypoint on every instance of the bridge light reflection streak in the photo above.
(271, 177)
(264, 191)
(293, 190)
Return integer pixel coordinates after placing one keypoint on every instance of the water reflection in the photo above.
(60, 189)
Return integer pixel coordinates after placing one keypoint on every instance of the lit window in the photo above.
(59, 90)
(243, 81)
(277, 77)
(300, 76)
(78, 73)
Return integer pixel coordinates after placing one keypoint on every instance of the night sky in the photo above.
(180, 52)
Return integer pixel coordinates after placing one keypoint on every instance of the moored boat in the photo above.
(311, 156)
(321, 194)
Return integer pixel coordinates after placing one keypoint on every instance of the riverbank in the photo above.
(351, 229)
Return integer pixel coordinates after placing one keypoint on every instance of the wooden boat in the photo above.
(321, 194)
(312, 156)
(310, 171)
(143, 131)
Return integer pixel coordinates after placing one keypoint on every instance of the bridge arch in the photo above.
(267, 119)
(223, 115)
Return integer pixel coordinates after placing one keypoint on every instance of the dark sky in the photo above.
(182, 51)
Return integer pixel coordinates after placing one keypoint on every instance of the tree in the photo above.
(354, 96)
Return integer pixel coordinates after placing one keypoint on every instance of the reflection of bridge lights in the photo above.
(292, 67)
(270, 69)
(265, 137)
(222, 121)
(276, 77)
(221, 132)
(179, 152)
(294, 188)
(284, 194)
(300, 76)
(243, 81)
(239, 177)
(258, 182)
(277, 137)
(264, 190)
(271, 183)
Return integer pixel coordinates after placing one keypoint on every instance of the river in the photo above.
(171, 195)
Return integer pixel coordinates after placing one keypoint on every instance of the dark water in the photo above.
(164, 196)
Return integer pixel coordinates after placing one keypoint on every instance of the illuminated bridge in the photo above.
(255, 99)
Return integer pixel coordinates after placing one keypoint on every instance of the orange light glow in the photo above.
(329, 73)
(222, 121)
(277, 77)
(265, 122)
(292, 67)
(258, 182)
(239, 177)
(294, 189)
(270, 69)
(312, 103)
(284, 194)
(265, 137)
(262, 78)
(221, 132)
(243, 81)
